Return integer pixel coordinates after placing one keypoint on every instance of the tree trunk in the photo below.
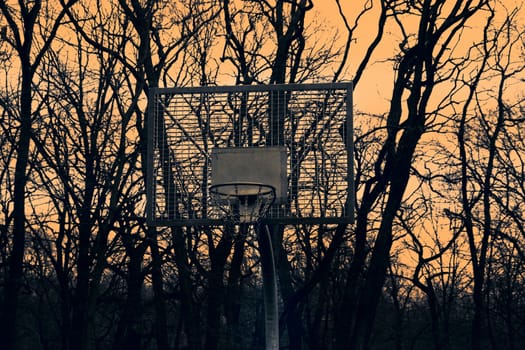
(218, 257)
(8, 326)
(81, 314)
(189, 309)
(271, 309)
(292, 319)
(128, 334)
(232, 303)
(161, 331)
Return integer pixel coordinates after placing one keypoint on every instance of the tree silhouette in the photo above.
(23, 34)
(435, 258)
(417, 74)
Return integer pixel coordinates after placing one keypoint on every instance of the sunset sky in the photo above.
(373, 91)
(90, 134)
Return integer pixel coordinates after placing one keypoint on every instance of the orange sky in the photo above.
(373, 91)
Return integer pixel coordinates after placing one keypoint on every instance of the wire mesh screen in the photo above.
(312, 121)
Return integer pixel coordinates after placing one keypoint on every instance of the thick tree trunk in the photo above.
(81, 309)
(232, 302)
(8, 325)
(189, 309)
(8, 320)
(292, 319)
(271, 309)
(161, 331)
(218, 257)
(129, 333)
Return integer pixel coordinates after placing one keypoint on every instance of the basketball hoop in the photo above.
(242, 202)
(297, 138)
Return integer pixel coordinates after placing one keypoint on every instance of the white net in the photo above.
(242, 203)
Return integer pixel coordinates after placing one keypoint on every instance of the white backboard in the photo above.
(258, 165)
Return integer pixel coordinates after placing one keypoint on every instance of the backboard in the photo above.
(263, 165)
(296, 136)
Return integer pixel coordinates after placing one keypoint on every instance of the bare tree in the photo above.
(85, 169)
(480, 156)
(418, 72)
(30, 45)
(73, 155)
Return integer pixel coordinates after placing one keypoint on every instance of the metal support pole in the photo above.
(271, 309)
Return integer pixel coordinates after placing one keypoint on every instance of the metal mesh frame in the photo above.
(313, 122)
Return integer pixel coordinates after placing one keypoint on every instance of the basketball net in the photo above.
(242, 203)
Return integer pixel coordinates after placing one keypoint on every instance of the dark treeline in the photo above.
(435, 259)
